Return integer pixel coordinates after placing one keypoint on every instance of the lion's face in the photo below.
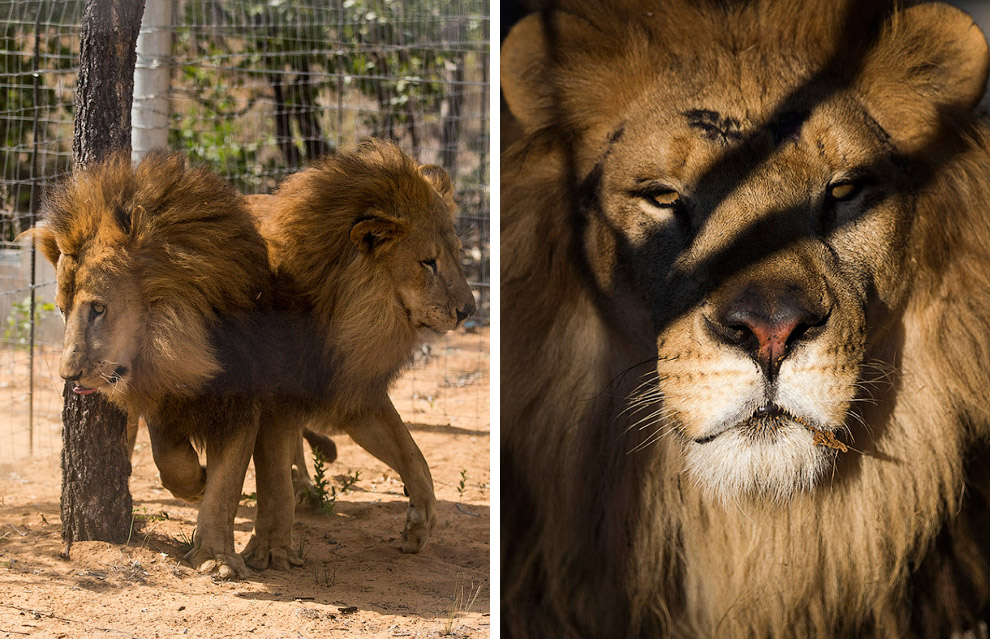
(417, 249)
(763, 283)
(104, 321)
(750, 218)
(430, 281)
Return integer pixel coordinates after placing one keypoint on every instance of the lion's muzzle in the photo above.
(465, 311)
(766, 320)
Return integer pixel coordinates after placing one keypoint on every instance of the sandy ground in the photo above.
(355, 582)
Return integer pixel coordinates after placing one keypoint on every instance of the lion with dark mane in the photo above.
(365, 256)
(161, 275)
(746, 339)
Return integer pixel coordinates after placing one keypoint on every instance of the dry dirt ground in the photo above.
(355, 582)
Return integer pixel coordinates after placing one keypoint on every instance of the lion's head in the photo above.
(411, 239)
(727, 234)
(369, 237)
(147, 260)
(757, 215)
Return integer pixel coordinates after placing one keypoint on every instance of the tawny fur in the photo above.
(365, 334)
(365, 257)
(191, 247)
(162, 277)
(604, 533)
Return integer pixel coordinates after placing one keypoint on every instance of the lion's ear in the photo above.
(372, 233)
(44, 239)
(438, 178)
(930, 60)
(527, 63)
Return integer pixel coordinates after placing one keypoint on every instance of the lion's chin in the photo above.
(757, 461)
(426, 333)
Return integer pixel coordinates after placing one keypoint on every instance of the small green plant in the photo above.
(351, 478)
(144, 516)
(429, 398)
(461, 485)
(323, 494)
(249, 497)
(17, 330)
(302, 548)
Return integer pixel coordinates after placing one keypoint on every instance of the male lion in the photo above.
(746, 349)
(160, 275)
(365, 257)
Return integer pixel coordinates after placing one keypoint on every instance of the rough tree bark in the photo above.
(96, 503)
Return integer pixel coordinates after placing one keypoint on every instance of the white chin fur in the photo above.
(732, 465)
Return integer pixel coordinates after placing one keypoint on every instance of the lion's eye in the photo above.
(664, 199)
(844, 191)
(97, 309)
(430, 264)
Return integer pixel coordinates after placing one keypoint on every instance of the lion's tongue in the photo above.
(82, 390)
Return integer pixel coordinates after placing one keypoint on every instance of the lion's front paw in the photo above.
(420, 522)
(221, 564)
(262, 553)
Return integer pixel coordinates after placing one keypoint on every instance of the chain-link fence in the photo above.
(254, 89)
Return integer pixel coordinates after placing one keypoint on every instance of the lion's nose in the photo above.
(70, 376)
(766, 322)
(465, 312)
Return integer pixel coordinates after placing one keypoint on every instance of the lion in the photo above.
(365, 258)
(161, 278)
(746, 306)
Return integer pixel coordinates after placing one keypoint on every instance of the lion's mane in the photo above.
(364, 333)
(200, 257)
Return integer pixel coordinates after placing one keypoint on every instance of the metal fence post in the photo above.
(149, 112)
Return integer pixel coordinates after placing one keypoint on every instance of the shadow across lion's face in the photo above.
(767, 248)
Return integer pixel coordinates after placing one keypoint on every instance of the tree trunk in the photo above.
(306, 113)
(96, 504)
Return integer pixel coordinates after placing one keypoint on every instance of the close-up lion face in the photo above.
(744, 292)
(759, 236)
(764, 277)
(104, 321)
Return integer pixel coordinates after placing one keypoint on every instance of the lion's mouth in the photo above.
(79, 389)
(116, 376)
(764, 425)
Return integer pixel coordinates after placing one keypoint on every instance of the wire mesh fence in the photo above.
(254, 89)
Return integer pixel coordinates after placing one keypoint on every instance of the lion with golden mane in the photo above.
(746, 339)
(161, 275)
(366, 261)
